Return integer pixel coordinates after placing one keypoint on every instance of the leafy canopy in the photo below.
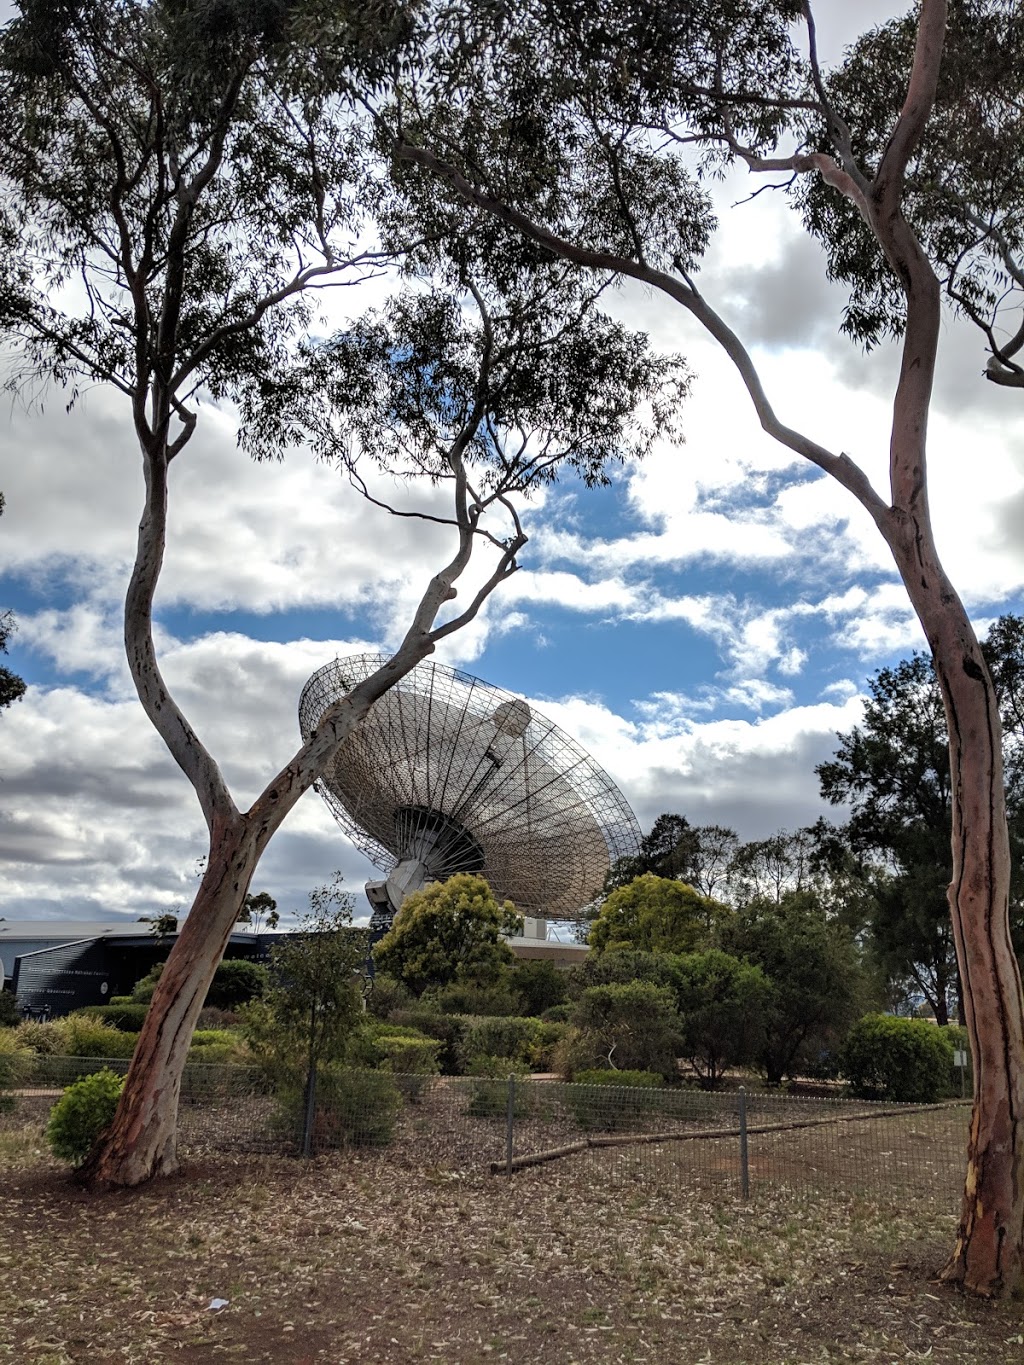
(449, 931)
(654, 914)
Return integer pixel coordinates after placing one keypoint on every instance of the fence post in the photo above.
(744, 1161)
(510, 1123)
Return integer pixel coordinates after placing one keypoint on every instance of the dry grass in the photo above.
(385, 1258)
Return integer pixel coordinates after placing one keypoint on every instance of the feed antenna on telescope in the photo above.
(448, 774)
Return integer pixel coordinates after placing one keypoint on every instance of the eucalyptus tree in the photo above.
(592, 128)
(892, 771)
(963, 180)
(174, 193)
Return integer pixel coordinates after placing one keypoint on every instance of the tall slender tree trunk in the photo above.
(142, 1141)
(987, 1257)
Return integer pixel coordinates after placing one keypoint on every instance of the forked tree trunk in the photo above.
(987, 1257)
(142, 1140)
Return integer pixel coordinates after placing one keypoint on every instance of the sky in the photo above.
(703, 627)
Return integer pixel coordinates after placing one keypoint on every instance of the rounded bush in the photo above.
(614, 1100)
(125, 1018)
(81, 1114)
(516, 1039)
(85, 1037)
(904, 1060)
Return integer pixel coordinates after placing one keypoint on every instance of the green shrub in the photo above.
(632, 1080)
(516, 1039)
(85, 1037)
(613, 1100)
(488, 1094)
(902, 1060)
(125, 1018)
(388, 994)
(15, 1064)
(120, 1000)
(448, 1029)
(10, 1015)
(235, 982)
(539, 984)
(81, 1114)
(631, 1026)
(212, 1017)
(353, 1108)
(471, 997)
(557, 1014)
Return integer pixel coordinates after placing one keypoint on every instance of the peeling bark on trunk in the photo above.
(142, 1140)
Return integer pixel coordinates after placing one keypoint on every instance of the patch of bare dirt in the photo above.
(357, 1257)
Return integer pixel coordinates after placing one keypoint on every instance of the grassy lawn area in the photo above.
(365, 1257)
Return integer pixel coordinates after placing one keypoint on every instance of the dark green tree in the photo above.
(721, 1002)
(893, 771)
(815, 986)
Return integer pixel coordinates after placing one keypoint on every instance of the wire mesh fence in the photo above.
(733, 1141)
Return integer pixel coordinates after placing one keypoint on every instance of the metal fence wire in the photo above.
(732, 1141)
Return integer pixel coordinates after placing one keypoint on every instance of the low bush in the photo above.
(901, 1060)
(125, 1018)
(518, 1040)
(388, 994)
(448, 1029)
(353, 1108)
(10, 1015)
(613, 1100)
(81, 1114)
(488, 1092)
(212, 1017)
(557, 1014)
(462, 997)
(235, 982)
(85, 1037)
(631, 1080)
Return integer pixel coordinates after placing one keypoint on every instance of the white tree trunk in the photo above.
(142, 1140)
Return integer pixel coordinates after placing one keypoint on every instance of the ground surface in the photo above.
(357, 1257)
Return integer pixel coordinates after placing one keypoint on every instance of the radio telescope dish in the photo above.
(449, 774)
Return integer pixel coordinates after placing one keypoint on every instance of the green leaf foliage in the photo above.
(814, 983)
(314, 1003)
(633, 1026)
(539, 984)
(654, 914)
(449, 932)
(721, 1002)
(903, 1060)
(84, 1110)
